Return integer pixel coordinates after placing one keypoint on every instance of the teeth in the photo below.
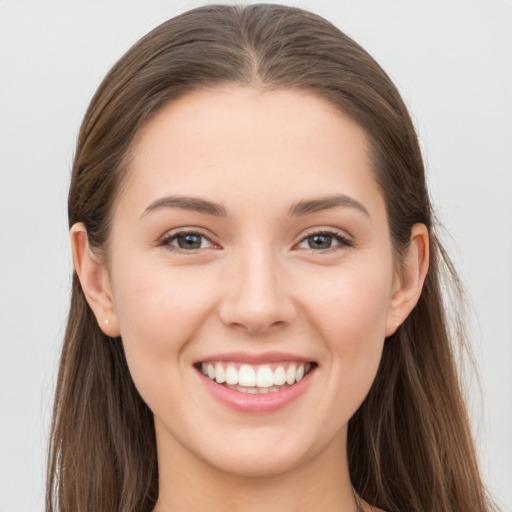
(255, 390)
(259, 379)
(246, 376)
(290, 374)
(219, 374)
(231, 375)
(279, 376)
(264, 377)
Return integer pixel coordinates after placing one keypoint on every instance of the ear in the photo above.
(95, 281)
(409, 279)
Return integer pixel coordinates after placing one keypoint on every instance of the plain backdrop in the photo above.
(452, 61)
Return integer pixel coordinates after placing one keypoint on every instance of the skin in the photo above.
(255, 285)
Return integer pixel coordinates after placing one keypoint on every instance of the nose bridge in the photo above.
(257, 297)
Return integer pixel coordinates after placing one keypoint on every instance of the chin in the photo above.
(255, 464)
(262, 452)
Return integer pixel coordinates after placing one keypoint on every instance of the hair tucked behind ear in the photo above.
(410, 447)
(102, 452)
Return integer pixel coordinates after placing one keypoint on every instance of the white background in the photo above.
(452, 61)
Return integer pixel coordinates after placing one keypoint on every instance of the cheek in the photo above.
(159, 309)
(350, 313)
(354, 299)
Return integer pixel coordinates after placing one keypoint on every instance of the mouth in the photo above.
(255, 379)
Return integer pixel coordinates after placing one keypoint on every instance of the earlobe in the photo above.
(94, 280)
(410, 278)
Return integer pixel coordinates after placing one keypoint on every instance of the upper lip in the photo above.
(249, 358)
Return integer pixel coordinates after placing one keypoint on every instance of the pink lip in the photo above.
(244, 357)
(256, 403)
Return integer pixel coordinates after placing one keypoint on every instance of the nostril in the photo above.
(263, 326)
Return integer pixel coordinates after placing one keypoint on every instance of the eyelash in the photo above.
(343, 242)
(167, 241)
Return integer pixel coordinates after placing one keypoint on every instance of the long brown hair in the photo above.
(410, 446)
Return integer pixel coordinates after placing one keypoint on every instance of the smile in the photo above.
(255, 386)
(246, 378)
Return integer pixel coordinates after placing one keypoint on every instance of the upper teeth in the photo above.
(262, 376)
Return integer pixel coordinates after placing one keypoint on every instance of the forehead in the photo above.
(247, 143)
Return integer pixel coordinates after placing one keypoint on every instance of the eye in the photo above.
(324, 240)
(187, 241)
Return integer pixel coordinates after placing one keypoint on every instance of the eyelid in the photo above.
(344, 239)
(173, 234)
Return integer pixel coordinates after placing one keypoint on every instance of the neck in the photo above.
(189, 484)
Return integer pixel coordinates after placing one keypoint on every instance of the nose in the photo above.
(257, 297)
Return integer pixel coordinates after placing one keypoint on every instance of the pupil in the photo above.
(320, 241)
(189, 242)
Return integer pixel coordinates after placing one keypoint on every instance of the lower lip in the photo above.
(256, 403)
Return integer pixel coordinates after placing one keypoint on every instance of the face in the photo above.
(250, 242)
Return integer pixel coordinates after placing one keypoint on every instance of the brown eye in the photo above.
(324, 241)
(188, 241)
(320, 241)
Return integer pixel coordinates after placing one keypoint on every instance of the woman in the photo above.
(257, 318)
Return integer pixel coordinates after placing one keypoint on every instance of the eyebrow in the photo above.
(210, 208)
(326, 203)
(187, 203)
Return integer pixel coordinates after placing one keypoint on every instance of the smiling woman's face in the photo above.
(250, 242)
